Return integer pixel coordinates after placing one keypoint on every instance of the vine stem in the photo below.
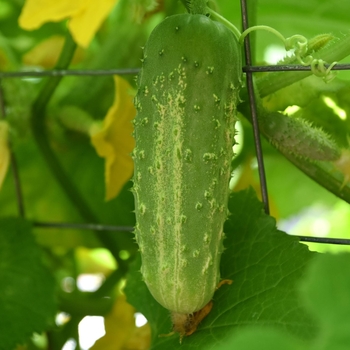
(41, 137)
(334, 51)
(262, 27)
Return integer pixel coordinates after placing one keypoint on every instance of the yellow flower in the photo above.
(47, 52)
(85, 16)
(114, 141)
(4, 150)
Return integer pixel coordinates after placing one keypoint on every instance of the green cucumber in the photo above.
(184, 129)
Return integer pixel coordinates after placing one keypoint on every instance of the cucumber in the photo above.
(184, 129)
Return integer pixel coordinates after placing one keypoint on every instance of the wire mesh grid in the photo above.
(248, 69)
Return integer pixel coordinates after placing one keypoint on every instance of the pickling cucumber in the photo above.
(184, 129)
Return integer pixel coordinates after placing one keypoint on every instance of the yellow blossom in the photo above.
(4, 150)
(114, 140)
(46, 53)
(85, 16)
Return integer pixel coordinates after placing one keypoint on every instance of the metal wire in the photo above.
(131, 71)
(248, 69)
(341, 241)
(68, 72)
(83, 226)
(253, 110)
(102, 227)
(291, 68)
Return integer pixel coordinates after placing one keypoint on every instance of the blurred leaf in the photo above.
(325, 291)
(115, 142)
(27, 299)
(46, 53)
(94, 261)
(292, 190)
(120, 328)
(65, 238)
(85, 16)
(5, 10)
(4, 150)
(7, 61)
(74, 118)
(264, 264)
(18, 98)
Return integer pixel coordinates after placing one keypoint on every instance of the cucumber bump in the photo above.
(184, 129)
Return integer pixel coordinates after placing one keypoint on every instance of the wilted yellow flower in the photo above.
(4, 150)
(85, 16)
(121, 331)
(114, 141)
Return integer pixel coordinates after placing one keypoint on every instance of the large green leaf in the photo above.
(263, 263)
(27, 294)
(262, 339)
(325, 291)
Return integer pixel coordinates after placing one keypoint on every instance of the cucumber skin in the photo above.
(184, 129)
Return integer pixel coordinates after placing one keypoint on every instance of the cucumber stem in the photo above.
(196, 6)
(224, 21)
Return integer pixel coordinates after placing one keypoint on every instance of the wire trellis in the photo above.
(249, 69)
(131, 71)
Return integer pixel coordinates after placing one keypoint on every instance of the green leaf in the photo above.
(263, 263)
(261, 339)
(325, 291)
(27, 301)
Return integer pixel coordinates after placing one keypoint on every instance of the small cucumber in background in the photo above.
(184, 129)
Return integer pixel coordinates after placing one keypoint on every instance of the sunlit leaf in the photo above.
(98, 260)
(4, 151)
(86, 16)
(115, 142)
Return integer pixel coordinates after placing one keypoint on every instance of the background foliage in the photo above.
(280, 296)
